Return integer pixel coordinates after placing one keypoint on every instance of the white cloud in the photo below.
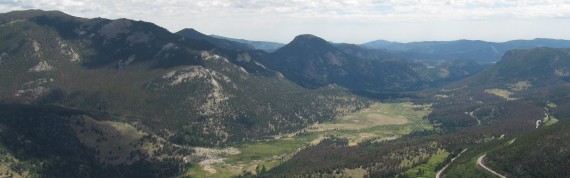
(349, 20)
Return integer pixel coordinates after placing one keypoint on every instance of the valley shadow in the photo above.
(38, 140)
(386, 96)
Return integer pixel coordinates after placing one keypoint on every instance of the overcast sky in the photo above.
(353, 21)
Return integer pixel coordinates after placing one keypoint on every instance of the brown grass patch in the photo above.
(115, 142)
(501, 93)
(379, 119)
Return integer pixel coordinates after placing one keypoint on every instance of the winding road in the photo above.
(452, 159)
(473, 116)
(480, 163)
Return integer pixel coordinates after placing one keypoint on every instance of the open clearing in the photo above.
(381, 121)
(428, 169)
(501, 93)
(376, 115)
(263, 153)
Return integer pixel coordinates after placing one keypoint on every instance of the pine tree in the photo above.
(263, 170)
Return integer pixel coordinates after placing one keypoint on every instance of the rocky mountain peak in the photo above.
(308, 39)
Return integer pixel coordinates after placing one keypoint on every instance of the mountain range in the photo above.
(220, 43)
(262, 45)
(314, 62)
(96, 97)
(476, 50)
(122, 71)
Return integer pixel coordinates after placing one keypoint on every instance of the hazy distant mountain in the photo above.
(378, 44)
(365, 53)
(480, 51)
(537, 67)
(435, 72)
(218, 42)
(313, 62)
(444, 72)
(262, 45)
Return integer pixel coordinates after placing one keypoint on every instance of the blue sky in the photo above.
(353, 21)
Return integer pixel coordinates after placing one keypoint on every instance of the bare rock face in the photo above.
(194, 72)
(126, 63)
(166, 49)
(243, 57)
(36, 46)
(43, 66)
(37, 49)
(66, 50)
(216, 96)
(34, 89)
(563, 72)
(207, 56)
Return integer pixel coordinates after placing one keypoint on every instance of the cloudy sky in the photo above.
(354, 21)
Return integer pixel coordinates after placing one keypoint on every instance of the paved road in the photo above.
(452, 159)
(480, 163)
(438, 175)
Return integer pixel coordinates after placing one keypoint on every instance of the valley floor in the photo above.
(381, 121)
